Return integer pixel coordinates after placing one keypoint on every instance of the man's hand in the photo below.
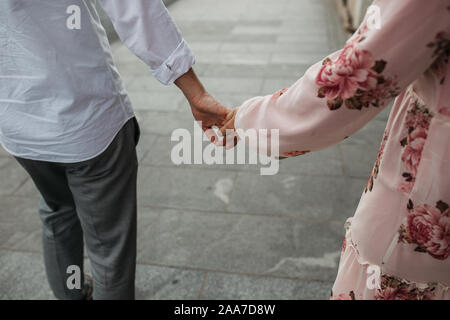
(209, 111)
(204, 107)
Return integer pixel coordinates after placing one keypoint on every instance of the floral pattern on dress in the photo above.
(417, 124)
(428, 228)
(441, 46)
(393, 288)
(376, 167)
(355, 79)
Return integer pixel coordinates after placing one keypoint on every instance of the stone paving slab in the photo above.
(242, 287)
(22, 276)
(20, 227)
(3, 153)
(301, 196)
(12, 176)
(155, 283)
(240, 243)
(184, 188)
(229, 69)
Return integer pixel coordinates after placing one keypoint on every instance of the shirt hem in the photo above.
(87, 158)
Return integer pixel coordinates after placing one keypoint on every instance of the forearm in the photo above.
(338, 96)
(190, 85)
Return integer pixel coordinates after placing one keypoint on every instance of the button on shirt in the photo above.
(61, 97)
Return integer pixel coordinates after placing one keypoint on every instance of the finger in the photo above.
(228, 125)
(210, 134)
(231, 139)
(230, 114)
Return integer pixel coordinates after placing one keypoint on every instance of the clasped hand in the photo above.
(209, 111)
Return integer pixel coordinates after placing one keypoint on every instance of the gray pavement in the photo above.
(222, 231)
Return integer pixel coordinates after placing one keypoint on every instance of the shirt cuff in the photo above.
(178, 63)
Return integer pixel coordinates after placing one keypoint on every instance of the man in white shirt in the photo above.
(66, 117)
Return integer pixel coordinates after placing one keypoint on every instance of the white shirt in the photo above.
(61, 97)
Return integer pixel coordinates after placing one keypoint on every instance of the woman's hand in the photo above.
(228, 130)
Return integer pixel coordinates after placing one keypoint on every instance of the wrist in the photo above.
(191, 86)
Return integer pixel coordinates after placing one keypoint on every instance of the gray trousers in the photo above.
(97, 199)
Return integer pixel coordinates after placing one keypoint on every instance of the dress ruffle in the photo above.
(360, 279)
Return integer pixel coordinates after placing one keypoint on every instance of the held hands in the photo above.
(212, 113)
(208, 110)
(228, 130)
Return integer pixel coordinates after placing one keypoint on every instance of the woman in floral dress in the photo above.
(397, 244)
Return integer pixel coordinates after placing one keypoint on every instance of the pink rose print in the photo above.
(413, 151)
(417, 124)
(393, 288)
(355, 79)
(389, 293)
(352, 71)
(429, 228)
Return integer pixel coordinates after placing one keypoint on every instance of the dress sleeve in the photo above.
(396, 43)
(147, 29)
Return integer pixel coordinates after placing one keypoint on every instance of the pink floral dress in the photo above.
(397, 245)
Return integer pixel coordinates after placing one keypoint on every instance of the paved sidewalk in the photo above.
(219, 232)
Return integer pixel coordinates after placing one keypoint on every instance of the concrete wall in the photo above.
(112, 35)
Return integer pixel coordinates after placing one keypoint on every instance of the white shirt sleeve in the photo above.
(147, 29)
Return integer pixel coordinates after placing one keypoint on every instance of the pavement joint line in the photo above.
(201, 270)
(196, 210)
(313, 220)
(202, 288)
(226, 167)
